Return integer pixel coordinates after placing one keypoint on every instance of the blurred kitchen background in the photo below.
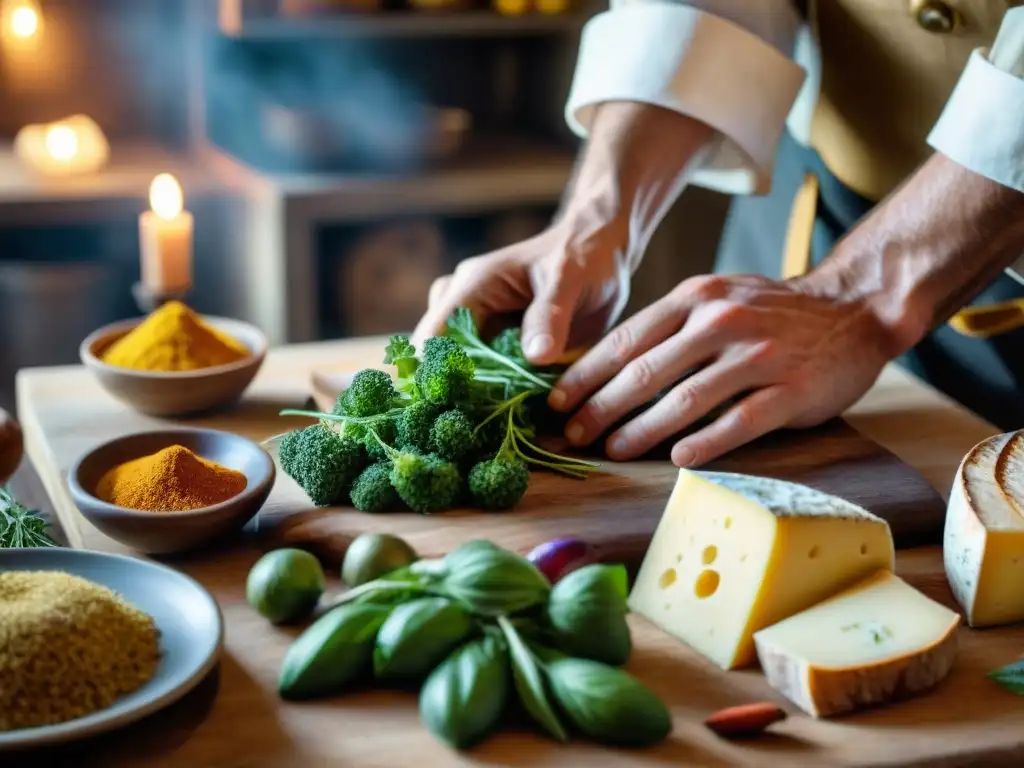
(335, 155)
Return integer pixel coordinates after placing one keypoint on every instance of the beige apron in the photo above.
(887, 69)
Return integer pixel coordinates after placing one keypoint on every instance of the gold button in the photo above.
(936, 16)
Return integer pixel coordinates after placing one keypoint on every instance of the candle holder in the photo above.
(148, 300)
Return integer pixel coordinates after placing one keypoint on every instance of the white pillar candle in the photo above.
(165, 238)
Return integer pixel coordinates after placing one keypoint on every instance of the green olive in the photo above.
(372, 555)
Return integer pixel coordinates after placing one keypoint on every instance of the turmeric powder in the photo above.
(171, 480)
(174, 338)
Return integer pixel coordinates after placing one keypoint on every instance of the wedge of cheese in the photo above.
(736, 553)
(879, 641)
(983, 543)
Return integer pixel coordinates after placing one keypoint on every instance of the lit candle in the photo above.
(165, 239)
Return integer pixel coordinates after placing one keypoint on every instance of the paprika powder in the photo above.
(172, 480)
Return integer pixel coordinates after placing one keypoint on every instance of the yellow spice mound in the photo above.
(174, 338)
(68, 647)
(171, 480)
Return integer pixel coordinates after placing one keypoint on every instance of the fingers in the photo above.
(436, 317)
(760, 413)
(547, 320)
(483, 284)
(688, 401)
(614, 352)
(645, 377)
(437, 289)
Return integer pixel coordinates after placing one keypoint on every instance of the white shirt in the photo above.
(749, 69)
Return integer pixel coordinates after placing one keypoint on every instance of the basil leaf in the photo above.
(598, 585)
(417, 636)
(491, 581)
(607, 704)
(587, 614)
(1010, 677)
(464, 697)
(530, 683)
(332, 652)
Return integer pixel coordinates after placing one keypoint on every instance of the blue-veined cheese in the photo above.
(734, 553)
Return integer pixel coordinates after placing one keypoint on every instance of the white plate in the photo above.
(190, 624)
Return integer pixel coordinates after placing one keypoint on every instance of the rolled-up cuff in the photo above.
(982, 125)
(695, 64)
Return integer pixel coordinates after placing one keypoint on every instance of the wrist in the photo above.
(635, 165)
(891, 316)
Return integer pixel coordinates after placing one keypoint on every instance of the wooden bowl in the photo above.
(167, 532)
(176, 393)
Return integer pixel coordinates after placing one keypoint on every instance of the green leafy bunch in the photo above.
(452, 426)
(21, 526)
(475, 631)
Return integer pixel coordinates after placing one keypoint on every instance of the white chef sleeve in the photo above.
(982, 124)
(726, 63)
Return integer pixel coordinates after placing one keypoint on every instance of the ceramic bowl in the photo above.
(167, 532)
(175, 393)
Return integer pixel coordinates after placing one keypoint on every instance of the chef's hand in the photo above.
(794, 356)
(571, 282)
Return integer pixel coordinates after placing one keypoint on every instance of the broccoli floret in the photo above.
(510, 344)
(324, 463)
(387, 430)
(370, 393)
(402, 354)
(426, 482)
(288, 451)
(414, 425)
(499, 483)
(445, 372)
(451, 436)
(372, 491)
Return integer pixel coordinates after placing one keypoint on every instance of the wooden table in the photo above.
(235, 719)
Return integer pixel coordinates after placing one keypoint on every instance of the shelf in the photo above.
(26, 195)
(489, 173)
(407, 24)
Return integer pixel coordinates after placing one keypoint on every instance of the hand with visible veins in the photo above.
(773, 345)
(571, 282)
(797, 352)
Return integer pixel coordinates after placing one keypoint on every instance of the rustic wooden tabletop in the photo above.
(235, 719)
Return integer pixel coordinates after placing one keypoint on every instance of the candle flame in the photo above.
(61, 142)
(23, 19)
(165, 196)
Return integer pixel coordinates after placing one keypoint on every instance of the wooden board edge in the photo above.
(42, 457)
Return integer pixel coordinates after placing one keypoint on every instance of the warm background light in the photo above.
(69, 147)
(165, 196)
(24, 22)
(62, 142)
(22, 18)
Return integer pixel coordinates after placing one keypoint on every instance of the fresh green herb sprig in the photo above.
(492, 365)
(20, 526)
(517, 444)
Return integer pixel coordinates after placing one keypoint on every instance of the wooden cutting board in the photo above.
(618, 509)
(235, 718)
